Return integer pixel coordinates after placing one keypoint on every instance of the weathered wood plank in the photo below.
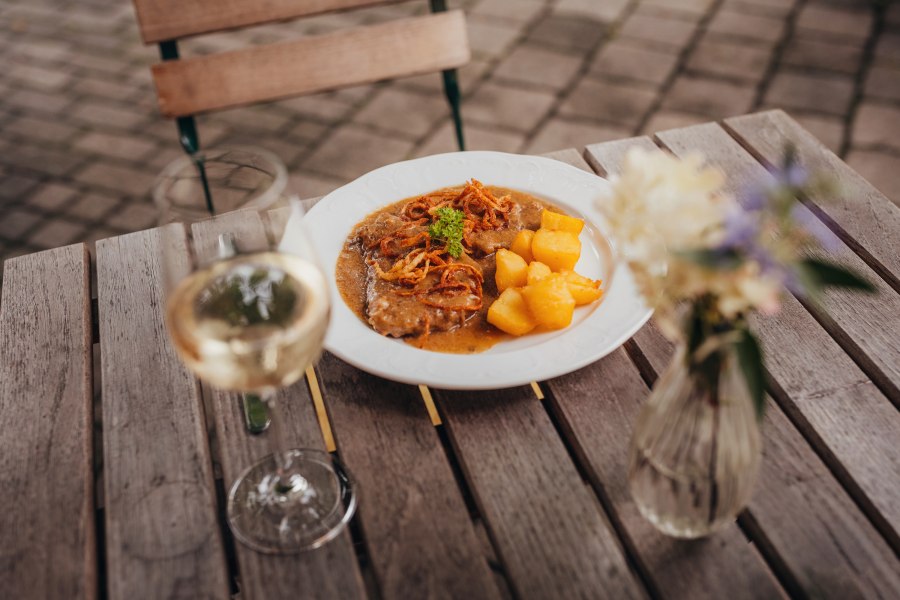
(546, 525)
(417, 530)
(810, 528)
(597, 407)
(47, 530)
(312, 64)
(162, 20)
(866, 220)
(332, 571)
(839, 404)
(162, 532)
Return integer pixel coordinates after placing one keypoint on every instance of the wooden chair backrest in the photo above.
(358, 55)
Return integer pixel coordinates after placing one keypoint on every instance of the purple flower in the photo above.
(805, 218)
(741, 229)
(793, 176)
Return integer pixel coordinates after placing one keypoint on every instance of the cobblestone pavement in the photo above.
(82, 138)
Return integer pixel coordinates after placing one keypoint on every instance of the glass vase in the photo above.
(696, 449)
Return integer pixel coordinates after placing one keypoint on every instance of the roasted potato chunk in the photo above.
(558, 222)
(511, 270)
(559, 250)
(510, 313)
(583, 289)
(550, 302)
(537, 271)
(522, 244)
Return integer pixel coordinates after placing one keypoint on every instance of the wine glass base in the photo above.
(310, 505)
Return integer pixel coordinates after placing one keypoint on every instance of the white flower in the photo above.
(659, 208)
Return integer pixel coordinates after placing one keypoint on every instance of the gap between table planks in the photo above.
(807, 527)
(47, 528)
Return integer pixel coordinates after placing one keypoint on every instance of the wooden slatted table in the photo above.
(114, 459)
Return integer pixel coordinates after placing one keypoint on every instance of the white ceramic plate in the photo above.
(597, 329)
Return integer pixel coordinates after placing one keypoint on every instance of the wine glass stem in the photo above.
(276, 431)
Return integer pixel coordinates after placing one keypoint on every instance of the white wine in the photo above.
(250, 323)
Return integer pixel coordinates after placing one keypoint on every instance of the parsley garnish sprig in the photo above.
(448, 228)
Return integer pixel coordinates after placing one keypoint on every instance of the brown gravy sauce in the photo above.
(476, 334)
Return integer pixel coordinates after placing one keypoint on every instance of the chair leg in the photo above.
(451, 90)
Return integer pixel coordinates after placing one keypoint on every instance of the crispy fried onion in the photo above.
(457, 280)
(456, 286)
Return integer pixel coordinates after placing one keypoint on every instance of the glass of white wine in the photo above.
(247, 308)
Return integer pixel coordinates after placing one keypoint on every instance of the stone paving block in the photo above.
(509, 10)
(606, 11)
(48, 80)
(819, 93)
(711, 98)
(312, 185)
(828, 55)
(45, 50)
(117, 178)
(15, 186)
(853, 23)
(828, 130)
(52, 196)
(110, 89)
(627, 60)
(309, 130)
(887, 49)
(733, 60)
(880, 169)
(318, 107)
(539, 66)
(41, 159)
(95, 62)
(672, 33)
(505, 106)
(93, 206)
(750, 27)
(45, 129)
(570, 33)
(663, 120)
(352, 151)
(16, 222)
(477, 138)
(135, 216)
(876, 125)
(620, 104)
(697, 7)
(55, 233)
(468, 77)
(770, 8)
(254, 119)
(106, 115)
(407, 114)
(560, 133)
(488, 38)
(32, 101)
(892, 14)
(115, 145)
(883, 82)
